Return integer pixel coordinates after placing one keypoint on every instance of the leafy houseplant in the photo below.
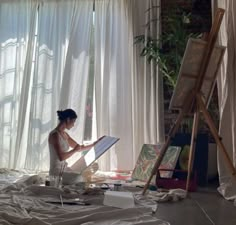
(167, 51)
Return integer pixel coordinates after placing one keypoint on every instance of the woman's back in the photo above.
(55, 164)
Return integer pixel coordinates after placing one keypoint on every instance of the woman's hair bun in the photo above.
(66, 114)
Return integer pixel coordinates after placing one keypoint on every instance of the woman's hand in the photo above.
(80, 148)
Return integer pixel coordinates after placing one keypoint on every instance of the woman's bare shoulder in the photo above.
(53, 135)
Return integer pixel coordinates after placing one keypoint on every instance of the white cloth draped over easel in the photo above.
(226, 84)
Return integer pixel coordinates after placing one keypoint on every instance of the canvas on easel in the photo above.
(193, 92)
(189, 72)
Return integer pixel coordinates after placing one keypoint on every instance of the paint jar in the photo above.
(117, 187)
(47, 181)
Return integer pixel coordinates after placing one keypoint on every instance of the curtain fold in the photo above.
(45, 66)
(148, 102)
(77, 68)
(113, 80)
(128, 92)
(17, 25)
(60, 75)
(226, 84)
(150, 89)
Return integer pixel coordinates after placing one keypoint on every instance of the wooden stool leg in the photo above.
(215, 134)
(192, 147)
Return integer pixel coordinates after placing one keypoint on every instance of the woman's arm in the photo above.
(54, 140)
(73, 144)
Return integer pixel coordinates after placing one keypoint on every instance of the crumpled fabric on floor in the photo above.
(227, 188)
(164, 196)
(26, 203)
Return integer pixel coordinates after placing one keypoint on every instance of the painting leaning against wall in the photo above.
(147, 158)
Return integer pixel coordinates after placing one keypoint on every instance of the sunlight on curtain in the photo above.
(148, 103)
(113, 80)
(45, 66)
(126, 91)
(226, 84)
(60, 73)
(17, 23)
(76, 73)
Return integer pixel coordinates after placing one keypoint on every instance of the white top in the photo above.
(56, 165)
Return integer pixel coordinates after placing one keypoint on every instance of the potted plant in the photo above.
(167, 52)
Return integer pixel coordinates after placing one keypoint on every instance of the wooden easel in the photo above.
(194, 103)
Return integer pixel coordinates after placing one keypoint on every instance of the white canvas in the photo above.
(80, 164)
(189, 72)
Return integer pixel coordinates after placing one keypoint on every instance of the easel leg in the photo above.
(164, 149)
(192, 146)
(171, 134)
(215, 134)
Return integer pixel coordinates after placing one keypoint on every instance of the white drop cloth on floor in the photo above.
(26, 203)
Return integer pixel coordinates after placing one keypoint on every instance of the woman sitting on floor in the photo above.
(61, 145)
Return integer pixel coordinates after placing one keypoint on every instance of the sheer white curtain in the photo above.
(61, 71)
(113, 79)
(17, 23)
(227, 97)
(126, 93)
(77, 67)
(148, 104)
(34, 86)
